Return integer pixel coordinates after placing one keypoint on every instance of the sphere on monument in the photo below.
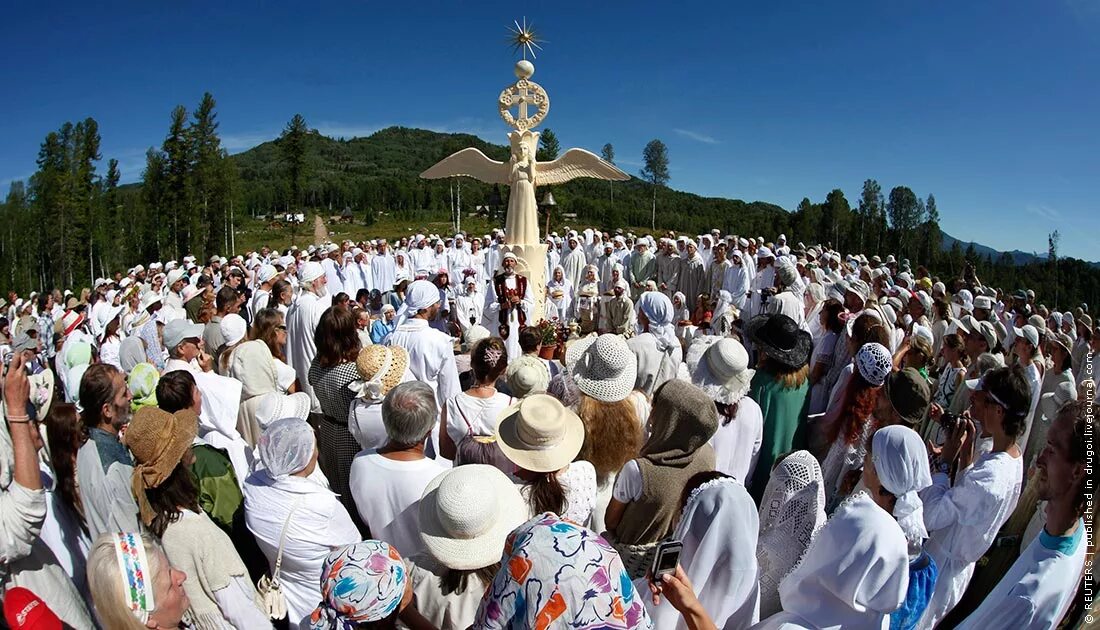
(524, 69)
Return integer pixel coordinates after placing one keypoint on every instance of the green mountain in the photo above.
(380, 173)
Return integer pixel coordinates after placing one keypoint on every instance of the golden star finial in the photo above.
(524, 38)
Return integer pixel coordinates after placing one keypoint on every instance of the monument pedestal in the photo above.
(531, 264)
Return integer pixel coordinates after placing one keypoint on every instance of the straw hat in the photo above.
(539, 434)
(607, 369)
(158, 440)
(381, 368)
(720, 367)
(466, 514)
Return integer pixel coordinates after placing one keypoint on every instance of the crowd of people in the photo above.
(405, 435)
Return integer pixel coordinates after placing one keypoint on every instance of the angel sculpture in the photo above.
(523, 173)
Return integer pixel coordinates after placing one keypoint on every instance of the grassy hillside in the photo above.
(378, 175)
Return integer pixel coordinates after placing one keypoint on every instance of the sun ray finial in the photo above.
(524, 39)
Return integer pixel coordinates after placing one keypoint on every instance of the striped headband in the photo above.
(133, 566)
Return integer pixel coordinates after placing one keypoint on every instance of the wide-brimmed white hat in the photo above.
(607, 369)
(466, 514)
(539, 433)
(720, 367)
(576, 348)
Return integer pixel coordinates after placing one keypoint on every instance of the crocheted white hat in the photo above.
(874, 363)
(607, 370)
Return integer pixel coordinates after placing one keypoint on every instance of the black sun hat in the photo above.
(780, 338)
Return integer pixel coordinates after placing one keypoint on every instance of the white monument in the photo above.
(522, 172)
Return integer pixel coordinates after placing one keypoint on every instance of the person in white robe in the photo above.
(1039, 588)
(706, 250)
(573, 262)
(382, 269)
(668, 267)
(559, 296)
(718, 530)
(459, 259)
(642, 269)
(963, 517)
(854, 574)
(736, 281)
(522, 300)
(606, 263)
(333, 264)
(692, 278)
(553, 256)
(786, 301)
(301, 323)
(431, 352)
(763, 279)
(470, 304)
(655, 347)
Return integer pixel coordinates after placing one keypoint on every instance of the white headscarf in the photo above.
(792, 510)
(419, 295)
(854, 574)
(718, 529)
(657, 308)
(286, 447)
(901, 462)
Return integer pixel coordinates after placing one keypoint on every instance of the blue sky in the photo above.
(993, 106)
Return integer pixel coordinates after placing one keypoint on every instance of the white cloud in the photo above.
(696, 136)
(1043, 211)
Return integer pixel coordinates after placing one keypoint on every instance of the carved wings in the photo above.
(575, 163)
(470, 163)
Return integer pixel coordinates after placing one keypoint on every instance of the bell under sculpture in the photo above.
(523, 173)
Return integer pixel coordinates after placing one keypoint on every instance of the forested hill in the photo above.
(380, 173)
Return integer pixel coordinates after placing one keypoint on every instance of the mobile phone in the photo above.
(666, 559)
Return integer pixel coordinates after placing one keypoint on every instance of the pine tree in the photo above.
(177, 185)
(292, 144)
(549, 148)
(211, 218)
(655, 171)
(607, 153)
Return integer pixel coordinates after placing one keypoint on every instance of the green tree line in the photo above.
(69, 223)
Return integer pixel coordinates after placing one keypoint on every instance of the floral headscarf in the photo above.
(557, 574)
(359, 583)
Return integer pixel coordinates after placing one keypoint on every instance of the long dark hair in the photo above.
(545, 493)
(336, 337)
(455, 580)
(65, 435)
(169, 499)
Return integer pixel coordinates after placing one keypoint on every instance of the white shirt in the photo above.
(737, 442)
(319, 524)
(1038, 589)
(387, 493)
(963, 520)
(468, 415)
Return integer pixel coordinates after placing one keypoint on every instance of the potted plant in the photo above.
(549, 337)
